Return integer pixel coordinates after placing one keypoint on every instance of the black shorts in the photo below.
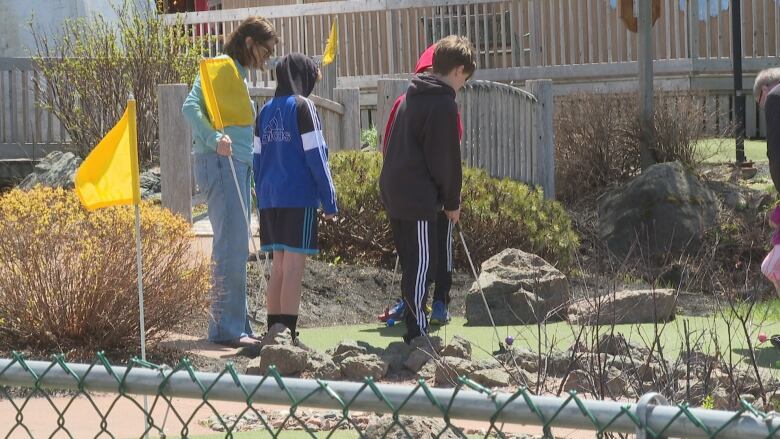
(292, 229)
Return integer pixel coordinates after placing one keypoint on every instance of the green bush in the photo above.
(369, 138)
(497, 214)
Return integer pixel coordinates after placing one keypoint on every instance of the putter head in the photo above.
(501, 349)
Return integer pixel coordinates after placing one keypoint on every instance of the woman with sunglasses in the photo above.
(249, 46)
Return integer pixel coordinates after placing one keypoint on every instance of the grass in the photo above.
(561, 335)
(723, 150)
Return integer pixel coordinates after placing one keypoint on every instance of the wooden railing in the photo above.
(379, 37)
(27, 131)
(507, 131)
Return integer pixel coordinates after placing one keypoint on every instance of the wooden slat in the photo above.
(504, 7)
(486, 41)
(561, 32)
(608, 16)
(573, 8)
(590, 35)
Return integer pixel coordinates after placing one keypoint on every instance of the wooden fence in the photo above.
(340, 119)
(27, 131)
(507, 131)
(379, 37)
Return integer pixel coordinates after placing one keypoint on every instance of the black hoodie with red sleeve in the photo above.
(421, 173)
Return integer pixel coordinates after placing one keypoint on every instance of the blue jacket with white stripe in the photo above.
(290, 155)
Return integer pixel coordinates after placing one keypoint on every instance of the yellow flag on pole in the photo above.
(225, 93)
(109, 174)
(333, 44)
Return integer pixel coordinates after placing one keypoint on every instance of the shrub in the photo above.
(497, 214)
(68, 276)
(593, 153)
(368, 138)
(90, 68)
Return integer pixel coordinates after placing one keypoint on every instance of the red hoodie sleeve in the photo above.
(391, 122)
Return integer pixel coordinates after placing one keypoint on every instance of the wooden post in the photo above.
(646, 158)
(544, 141)
(387, 92)
(350, 121)
(175, 150)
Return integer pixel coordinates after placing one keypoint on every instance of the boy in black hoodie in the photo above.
(421, 173)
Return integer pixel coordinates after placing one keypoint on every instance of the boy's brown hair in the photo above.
(262, 32)
(454, 51)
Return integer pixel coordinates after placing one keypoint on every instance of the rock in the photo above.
(560, 363)
(57, 169)
(519, 288)
(488, 363)
(579, 381)
(422, 350)
(287, 359)
(448, 369)
(362, 366)
(613, 344)
(395, 355)
(427, 372)
(458, 347)
(773, 401)
(618, 383)
(721, 399)
(666, 209)
(491, 378)
(417, 427)
(730, 194)
(346, 349)
(624, 307)
(321, 366)
(150, 182)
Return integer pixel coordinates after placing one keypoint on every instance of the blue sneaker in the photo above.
(396, 312)
(440, 315)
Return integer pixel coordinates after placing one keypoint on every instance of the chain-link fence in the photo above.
(158, 395)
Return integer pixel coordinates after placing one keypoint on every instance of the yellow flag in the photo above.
(109, 174)
(225, 93)
(333, 44)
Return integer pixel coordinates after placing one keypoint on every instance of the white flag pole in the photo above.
(140, 279)
(138, 262)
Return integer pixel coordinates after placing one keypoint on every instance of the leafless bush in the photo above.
(90, 68)
(597, 138)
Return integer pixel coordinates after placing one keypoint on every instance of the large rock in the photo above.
(362, 366)
(645, 306)
(491, 377)
(58, 169)
(150, 183)
(417, 427)
(448, 369)
(346, 349)
(458, 347)
(519, 288)
(321, 366)
(665, 209)
(423, 349)
(395, 356)
(288, 360)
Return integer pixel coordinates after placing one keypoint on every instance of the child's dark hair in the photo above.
(262, 32)
(454, 51)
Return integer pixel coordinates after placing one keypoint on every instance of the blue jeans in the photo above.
(230, 246)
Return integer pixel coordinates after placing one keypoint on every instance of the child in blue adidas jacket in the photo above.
(292, 181)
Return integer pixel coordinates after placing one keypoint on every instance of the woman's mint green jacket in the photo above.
(204, 136)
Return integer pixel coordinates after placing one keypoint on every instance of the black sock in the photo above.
(291, 322)
(273, 319)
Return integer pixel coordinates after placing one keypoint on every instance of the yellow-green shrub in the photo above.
(497, 214)
(68, 278)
